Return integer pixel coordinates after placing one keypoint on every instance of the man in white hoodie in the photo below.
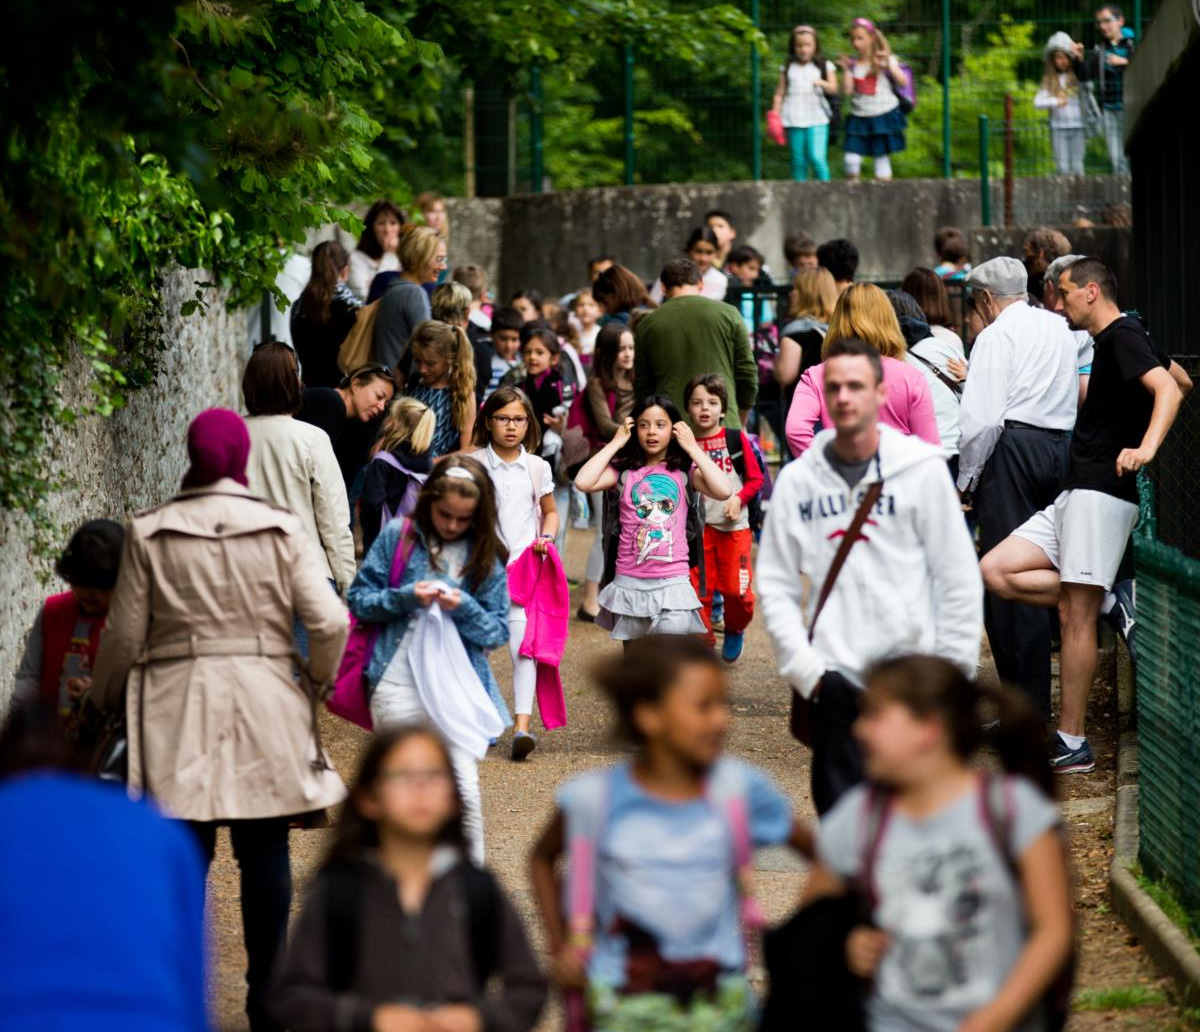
(910, 584)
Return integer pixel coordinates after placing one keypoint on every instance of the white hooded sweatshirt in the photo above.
(911, 583)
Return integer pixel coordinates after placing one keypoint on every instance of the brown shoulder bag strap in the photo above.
(847, 543)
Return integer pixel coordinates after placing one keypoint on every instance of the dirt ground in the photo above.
(518, 799)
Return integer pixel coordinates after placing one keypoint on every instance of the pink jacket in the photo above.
(907, 408)
(540, 585)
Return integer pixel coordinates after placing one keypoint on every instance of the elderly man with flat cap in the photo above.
(1018, 408)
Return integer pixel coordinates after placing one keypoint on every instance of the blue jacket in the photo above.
(481, 617)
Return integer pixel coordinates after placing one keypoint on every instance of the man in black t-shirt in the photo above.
(1068, 554)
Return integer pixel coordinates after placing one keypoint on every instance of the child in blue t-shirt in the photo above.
(658, 899)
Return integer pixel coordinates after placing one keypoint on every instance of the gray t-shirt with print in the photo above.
(947, 900)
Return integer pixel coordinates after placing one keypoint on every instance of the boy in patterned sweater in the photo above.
(727, 534)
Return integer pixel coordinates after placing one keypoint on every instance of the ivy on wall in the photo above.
(142, 136)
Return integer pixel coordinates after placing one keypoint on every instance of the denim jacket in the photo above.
(481, 618)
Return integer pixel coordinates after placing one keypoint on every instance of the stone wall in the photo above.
(545, 240)
(114, 467)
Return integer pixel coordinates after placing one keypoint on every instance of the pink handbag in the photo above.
(775, 128)
(349, 698)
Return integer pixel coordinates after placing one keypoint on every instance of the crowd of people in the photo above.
(923, 495)
(867, 95)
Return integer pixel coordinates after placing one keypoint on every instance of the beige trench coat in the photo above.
(200, 629)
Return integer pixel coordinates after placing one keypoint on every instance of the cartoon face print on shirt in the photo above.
(655, 500)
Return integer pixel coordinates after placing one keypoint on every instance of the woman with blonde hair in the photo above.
(864, 313)
(404, 303)
(810, 307)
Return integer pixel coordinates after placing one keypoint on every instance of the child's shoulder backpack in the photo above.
(587, 813)
(411, 489)
(344, 920)
(737, 455)
(611, 526)
(997, 813)
(906, 94)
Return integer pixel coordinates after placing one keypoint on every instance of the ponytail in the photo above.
(462, 381)
(933, 687)
(329, 258)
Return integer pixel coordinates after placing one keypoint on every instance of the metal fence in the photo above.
(638, 119)
(1167, 562)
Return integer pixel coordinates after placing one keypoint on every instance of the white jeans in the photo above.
(396, 702)
(562, 502)
(1068, 146)
(524, 668)
(595, 562)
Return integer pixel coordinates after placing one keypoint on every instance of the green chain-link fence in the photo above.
(1167, 560)
(637, 119)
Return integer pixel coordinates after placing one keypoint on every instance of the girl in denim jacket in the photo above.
(455, 560)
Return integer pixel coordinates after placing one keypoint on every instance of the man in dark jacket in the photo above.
(1105, 65)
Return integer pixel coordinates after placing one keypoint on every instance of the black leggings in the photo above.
(261, 849)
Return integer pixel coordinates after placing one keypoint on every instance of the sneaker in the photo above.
(1121, 618)
(731, 651)
(523, 744)
(1065, 760)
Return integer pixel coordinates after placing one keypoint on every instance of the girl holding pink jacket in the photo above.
(863, 311)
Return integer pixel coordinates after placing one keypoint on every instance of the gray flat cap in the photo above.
(1003, 277)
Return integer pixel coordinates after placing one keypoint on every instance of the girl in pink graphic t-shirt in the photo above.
(648, 589)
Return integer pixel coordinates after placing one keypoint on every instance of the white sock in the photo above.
(1106, 606)
(1072, 741)
(883, 167)
(853, 164)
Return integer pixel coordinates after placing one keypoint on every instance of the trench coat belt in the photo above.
(192, 647)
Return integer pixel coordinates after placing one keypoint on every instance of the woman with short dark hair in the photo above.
(292, 464)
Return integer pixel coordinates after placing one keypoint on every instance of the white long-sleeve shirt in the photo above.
(911, 583)
(1062, 116)
(1024, 367)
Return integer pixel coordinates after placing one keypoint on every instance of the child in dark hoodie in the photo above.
(399, 466)
(400, 930)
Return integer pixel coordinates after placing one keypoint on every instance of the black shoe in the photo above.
(585, 616)
(1121, 617)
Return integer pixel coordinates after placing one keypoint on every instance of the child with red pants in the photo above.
(727, 534)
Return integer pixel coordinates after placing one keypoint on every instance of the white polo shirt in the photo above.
(1024, 367)
(520, 487)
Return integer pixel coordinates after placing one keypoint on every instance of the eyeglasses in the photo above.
(442, 259)
(1105, 20)
(416, 778)
(511, 420)
(371, 370)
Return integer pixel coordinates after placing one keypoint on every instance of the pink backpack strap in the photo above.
(404, 547)
(997, 811)
(878, 807)
(727, 791)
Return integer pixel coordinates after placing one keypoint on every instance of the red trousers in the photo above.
(727, 569)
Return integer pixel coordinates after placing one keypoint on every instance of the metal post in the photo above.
(468, 95)
(946, 171)
(1137, 21)
(630, 158)
(536, 169)
(1008, 160)
(756, 114)
(985, 186)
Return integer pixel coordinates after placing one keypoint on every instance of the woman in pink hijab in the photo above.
(198, 648)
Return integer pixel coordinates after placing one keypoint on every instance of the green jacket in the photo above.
(688, 336)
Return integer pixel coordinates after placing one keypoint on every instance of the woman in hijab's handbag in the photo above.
(199, 641)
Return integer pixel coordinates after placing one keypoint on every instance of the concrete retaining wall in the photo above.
(113, 467)
(545, 240)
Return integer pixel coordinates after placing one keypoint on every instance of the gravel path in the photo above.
(518, 799)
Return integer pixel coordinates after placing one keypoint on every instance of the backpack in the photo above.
(733, 445)
(612, 531)
(358, 348)
(907, 95)
(996, 812)
(411, 489)
(344, 920)
(584, 822)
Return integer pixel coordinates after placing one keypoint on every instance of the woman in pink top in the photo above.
(863, 311)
